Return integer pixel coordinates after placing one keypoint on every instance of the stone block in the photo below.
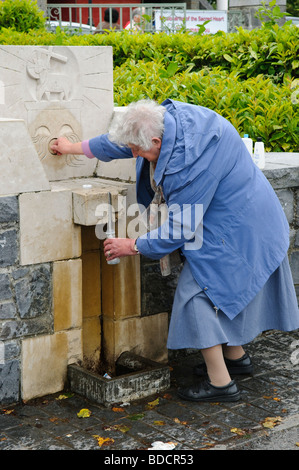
(34, 293)
(75, 346)
(145, 336)
(92, 342)
(9, 250)
(286, 198)
(294, 264)
(9, 209)
(58, 91)
(20, 167)
(121, 288)
(91, 287)
(89, 240)
(47, 232)
(282, 169)
(12, 350)
(157, 291)
(45, 360)
(7, 310)
(10, 382)
(14, 328)
(5, 288)
(67, 294)
(86, 202)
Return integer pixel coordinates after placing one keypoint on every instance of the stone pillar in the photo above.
(249, 9)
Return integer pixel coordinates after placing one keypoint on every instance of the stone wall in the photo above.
(25, 300)
(282, 170)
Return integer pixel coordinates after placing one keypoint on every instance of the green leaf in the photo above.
(228, 57)
(136, 417)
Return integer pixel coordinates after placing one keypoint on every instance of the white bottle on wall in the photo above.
(259, 153)
(249, 144)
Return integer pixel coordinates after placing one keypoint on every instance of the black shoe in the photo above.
(234, 366)
(205, 391)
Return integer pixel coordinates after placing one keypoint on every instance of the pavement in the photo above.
(266, 418)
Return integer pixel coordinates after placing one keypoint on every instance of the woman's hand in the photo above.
(62, 146)
(118, 247)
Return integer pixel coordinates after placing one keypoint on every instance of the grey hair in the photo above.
(138, 124)
(136, 11)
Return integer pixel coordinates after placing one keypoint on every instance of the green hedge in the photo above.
(248, 76)
(21, 15)
(255, 106)
(269, 51)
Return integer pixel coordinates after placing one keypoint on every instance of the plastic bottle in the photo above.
(249, 144)
(259, 153)
(110, 229)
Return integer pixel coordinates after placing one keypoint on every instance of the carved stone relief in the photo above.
(58, 91)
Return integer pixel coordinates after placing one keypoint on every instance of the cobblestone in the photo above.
(51, 423)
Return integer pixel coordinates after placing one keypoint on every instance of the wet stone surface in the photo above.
(51, 423)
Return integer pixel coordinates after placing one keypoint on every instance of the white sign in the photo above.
(167, 20)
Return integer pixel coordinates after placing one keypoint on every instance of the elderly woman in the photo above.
(236, 280)
(136, 20)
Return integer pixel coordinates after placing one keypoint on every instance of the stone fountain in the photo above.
(65, 315)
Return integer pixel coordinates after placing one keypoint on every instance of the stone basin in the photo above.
(139, 377)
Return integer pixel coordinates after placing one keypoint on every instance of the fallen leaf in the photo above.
(238, 431)
(208, 445)
(103, 441)
(84, 413)
(53, 420)
(297, 444)
(176, 420)
(270, 423)
(122, 428)
(117, 427)
(159, 423)
(167, 396)
(117, 410)
(64, 396)
(152, 404)
(271, 398)
(135, 417)
(8, 412)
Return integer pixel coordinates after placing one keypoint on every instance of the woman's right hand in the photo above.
(62, 146)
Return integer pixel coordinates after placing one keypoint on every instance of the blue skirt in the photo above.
(195, 323)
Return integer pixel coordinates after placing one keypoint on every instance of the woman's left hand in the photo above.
(118, 247)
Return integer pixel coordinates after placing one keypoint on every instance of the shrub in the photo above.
(21, 15)
(255, 106)
(250, 77)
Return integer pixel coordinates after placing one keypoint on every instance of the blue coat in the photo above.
(203, 161)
